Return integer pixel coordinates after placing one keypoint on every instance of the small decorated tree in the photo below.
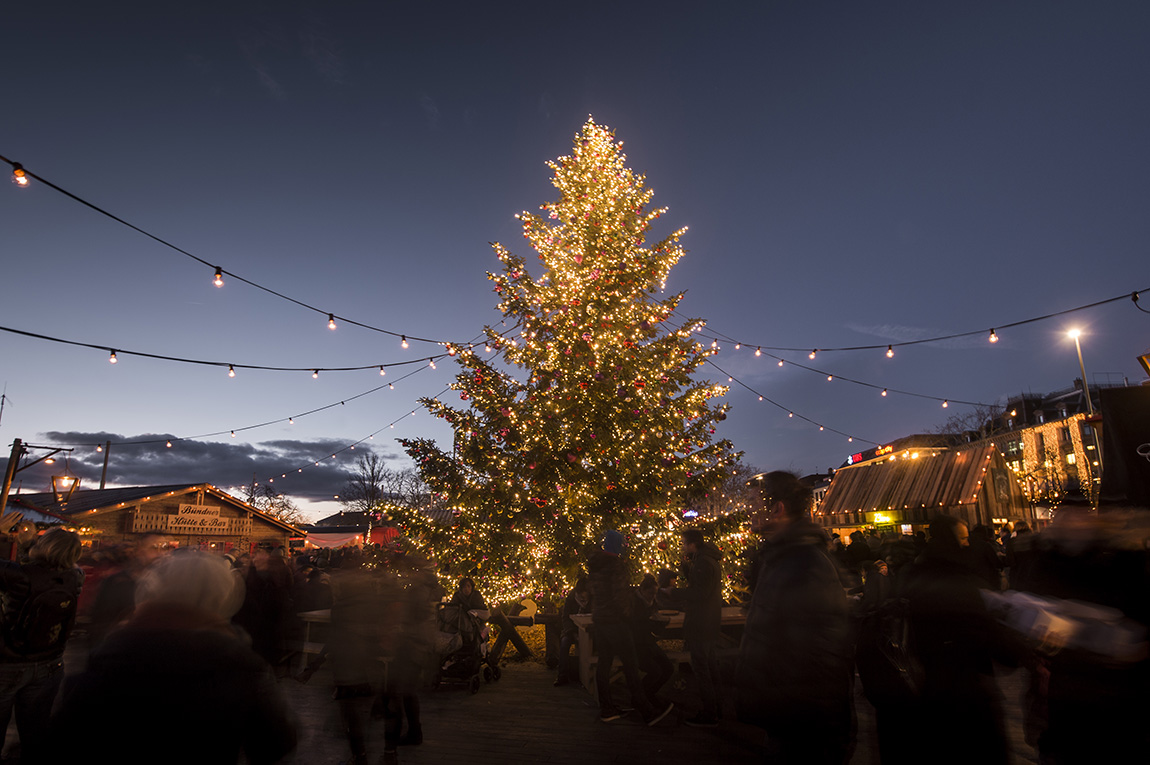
(597, 423)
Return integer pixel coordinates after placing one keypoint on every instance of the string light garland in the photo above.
(992, 337)
(20, 177)
(222, 364)
(790, 412)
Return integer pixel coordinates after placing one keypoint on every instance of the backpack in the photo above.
(42, 624)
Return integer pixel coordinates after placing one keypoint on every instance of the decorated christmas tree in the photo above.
(591, 419)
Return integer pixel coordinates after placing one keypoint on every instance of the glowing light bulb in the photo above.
(820, 428)
(890, 351)
(790, 414)
(812, 354)
(314, 374)
(432, 363)
(830, 377)
(291, 421)
(945, 404)
(382, 371)
(331, 321)
(780, 362)
(112, 359)
(403, 341)
(219, 278)
(233, 434)
(993, 337)
(169, 444)
(99, 448)
(19, 177)
(758, 351)
(884, 391)
(231, 371)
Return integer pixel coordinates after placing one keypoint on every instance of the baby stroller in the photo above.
(462, 647)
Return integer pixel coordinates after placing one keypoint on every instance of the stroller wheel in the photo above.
(473, 685)
(496, 672)
(488, 675)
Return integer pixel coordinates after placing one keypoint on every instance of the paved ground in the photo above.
(523, 719)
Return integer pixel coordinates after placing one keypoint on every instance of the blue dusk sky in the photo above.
(852, 173)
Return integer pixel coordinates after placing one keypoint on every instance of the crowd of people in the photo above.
(920, 624)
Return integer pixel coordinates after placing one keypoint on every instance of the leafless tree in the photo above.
(734, 495)
(373, 485)
(265, 499)
(978, 422)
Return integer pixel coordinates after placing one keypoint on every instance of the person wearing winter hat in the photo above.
(610, 612)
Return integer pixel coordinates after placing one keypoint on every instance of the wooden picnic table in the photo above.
(731, 616)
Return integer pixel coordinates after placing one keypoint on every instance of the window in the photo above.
(1013, 447)
(1040, 445)
(1071, 458)
(1064, 435)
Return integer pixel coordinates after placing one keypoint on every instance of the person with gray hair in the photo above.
(37, 610)
(177, 658)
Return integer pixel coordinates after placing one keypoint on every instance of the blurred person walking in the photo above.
(796, 659)
(177, 661)
(38, 607)
(702, 621)
(610, 612)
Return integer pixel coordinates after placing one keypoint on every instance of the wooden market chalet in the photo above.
(187, 515)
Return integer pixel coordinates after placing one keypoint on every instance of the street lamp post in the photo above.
(1085, 388)
(1090, 410)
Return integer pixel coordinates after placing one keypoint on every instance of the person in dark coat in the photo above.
(611, 603)
(956, 641)
(796, 659)
(268, 611)
(467, 597)
(177, 660)
(702, 621)
(653, 662)
(578, 602)
(38, 600)
(986, 557)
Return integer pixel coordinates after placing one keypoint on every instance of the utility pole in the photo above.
(104, 475)
(10, 473)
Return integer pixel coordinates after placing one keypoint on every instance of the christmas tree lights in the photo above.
(601, 426)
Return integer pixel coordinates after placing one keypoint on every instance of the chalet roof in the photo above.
(936, 478)
(112, 499)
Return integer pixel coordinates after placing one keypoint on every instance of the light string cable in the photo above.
(219, 270)
(231, 367)
(351, 446)
(990, 333)
(791, 413)
(233, 431)
(885, 390)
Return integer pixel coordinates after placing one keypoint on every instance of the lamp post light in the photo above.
(1085, 388)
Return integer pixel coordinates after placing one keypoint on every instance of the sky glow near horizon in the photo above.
(852, 174)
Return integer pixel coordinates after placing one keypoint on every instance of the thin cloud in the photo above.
(899, 333)
(430, 111)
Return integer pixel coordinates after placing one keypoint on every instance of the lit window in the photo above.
(1070, 458)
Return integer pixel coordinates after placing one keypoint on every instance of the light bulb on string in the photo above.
(758, 351)
(403, 341)
(790, 414)
(812, 354)
(890, 351)
(993, 337)
(169, 444)
(830, 377)
(382, 371)
(315, 374)
(884, 391)
(233, 434)
(738, 346)
(291, 420)
(331, 321)
(19, 176)
(820, 428)
(231, 371)
(432, 363)
(112, 359)
(219, 277)
(780, 362)
(945, 404)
